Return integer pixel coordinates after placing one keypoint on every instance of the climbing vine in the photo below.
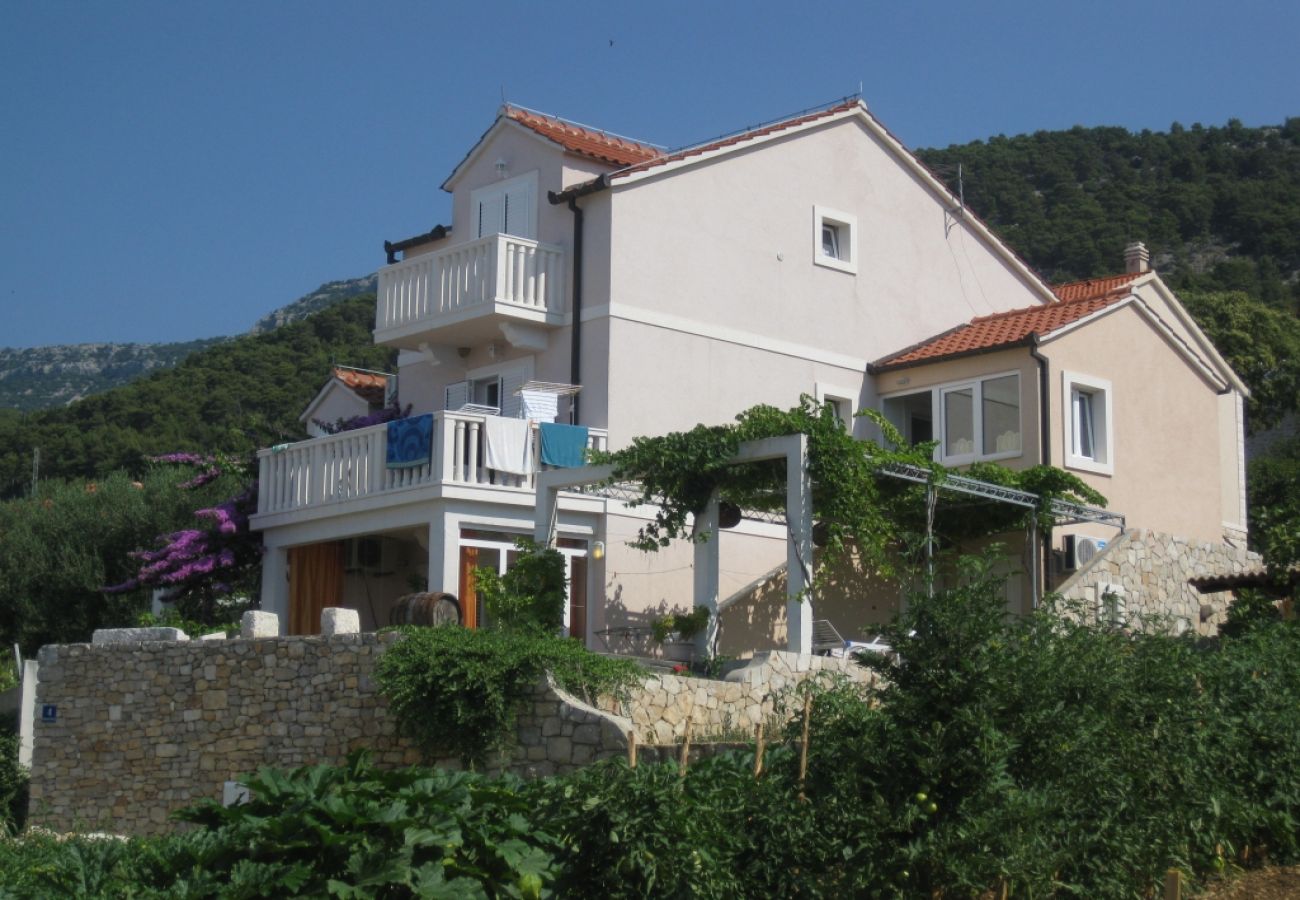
(855, 505)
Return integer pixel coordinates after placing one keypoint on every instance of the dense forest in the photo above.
(1218, 207)
(233, 398)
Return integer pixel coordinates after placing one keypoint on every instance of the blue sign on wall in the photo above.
(49, 712)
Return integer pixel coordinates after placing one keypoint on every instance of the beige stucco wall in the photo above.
(729, 243)
(668, 380)
(640, 587)
(1167, 467)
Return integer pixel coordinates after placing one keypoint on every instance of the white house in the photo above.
(629, 290)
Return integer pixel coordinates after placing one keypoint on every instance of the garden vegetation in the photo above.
(1044, 753)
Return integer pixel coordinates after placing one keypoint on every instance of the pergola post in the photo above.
(708, 555)
(799, 546)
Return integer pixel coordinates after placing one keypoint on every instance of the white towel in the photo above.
(509, 445)
(540, 406)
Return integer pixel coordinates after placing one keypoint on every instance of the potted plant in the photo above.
(677, 631)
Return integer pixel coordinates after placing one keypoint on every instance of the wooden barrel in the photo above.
(426, 608)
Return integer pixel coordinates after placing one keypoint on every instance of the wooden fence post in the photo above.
(1173, 885)
(686, 748)
(631, 749)
(758, 752)
(803, 750)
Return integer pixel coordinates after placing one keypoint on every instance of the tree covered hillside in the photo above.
(233, 397)
(1218, 207)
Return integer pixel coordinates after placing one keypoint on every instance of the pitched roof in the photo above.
(1013, 327)
(590, 142)
(370, 386)
(740, 137)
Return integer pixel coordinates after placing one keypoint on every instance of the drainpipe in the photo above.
(1045, 441)
(575, 362)
(570, 197)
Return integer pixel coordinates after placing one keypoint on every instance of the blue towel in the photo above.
(563, 445)
(410, 442)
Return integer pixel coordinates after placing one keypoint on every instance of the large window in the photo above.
(977, 419)
(1086, 411)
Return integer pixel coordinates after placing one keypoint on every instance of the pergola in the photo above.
(793, 449)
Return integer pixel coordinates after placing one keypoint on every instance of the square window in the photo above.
(1087, 415)
(835, 239)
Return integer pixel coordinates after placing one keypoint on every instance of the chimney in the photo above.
(1137, 258)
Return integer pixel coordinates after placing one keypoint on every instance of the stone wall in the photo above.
(1148, 572)
(139, 729)
(728, 708)
(142, 729)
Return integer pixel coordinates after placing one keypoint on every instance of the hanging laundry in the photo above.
(410, 442)
(540, 406)
(509, 445)
(563, 445)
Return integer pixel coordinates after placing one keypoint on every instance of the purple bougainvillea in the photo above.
(379, 417)
(198, 566)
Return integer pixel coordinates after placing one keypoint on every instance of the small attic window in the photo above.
(835, 239)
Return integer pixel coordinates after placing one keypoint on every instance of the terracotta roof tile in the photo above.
(370, 386)
(1013, 327)
(1094, 287)
(589, 142)
(665, 158)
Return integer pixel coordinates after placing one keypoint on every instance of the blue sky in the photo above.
(174, 170)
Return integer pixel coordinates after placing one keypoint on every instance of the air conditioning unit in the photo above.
(364, 554)
(1079, 551)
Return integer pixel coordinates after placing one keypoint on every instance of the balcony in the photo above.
(462, 295)
(342, 468)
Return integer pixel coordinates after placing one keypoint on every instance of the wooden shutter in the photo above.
(455, 396)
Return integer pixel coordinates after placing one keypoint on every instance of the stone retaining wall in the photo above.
(1148, 572)
(730, 707)
(137, 730)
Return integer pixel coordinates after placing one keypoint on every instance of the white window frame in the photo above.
(1103, 460)
(846, 226)
(939, 423)
(833, 394)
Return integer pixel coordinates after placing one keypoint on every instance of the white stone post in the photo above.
(444, 562)
(275, 582)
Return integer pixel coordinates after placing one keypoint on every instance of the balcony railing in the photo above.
(352, 465)
(476, 278)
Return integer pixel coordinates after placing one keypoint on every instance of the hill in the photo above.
(56, 375)
(1218, 207)
(38, 377)
(323, 297)
(234, 396)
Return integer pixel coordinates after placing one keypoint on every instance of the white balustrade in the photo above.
(351, 465)
(499, 268)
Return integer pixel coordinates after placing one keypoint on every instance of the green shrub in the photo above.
(531, 595)
(13, 781)
(456, 690)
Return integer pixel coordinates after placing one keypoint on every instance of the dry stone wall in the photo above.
(728, 708)
(135, 730)
(1142, 578)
